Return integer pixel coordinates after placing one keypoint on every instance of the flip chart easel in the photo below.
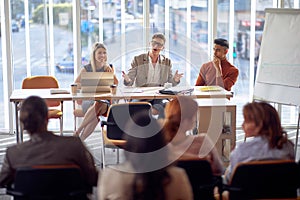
(278, 74)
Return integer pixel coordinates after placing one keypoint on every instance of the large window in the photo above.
(2, 122)
(43, 40)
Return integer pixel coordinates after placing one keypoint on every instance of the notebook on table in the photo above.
(96, 81)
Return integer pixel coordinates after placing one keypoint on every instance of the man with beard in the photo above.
(218, 71)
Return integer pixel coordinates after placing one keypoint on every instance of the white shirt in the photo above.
(154, 73)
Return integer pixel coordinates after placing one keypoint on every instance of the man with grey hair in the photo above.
(152, 69)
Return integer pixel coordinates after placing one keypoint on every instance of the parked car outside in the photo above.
(14, 26)
(67, 63)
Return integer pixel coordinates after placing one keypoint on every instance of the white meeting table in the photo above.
(126, 93)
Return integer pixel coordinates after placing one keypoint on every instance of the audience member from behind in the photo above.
(270, 142)
(146, 173)
(44, 147)
(181, 117)
(218, 71)
(93, 109)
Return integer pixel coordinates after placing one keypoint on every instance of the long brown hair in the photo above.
(180, 108)
(266, 116)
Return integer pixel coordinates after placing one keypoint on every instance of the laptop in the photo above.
(96, 81)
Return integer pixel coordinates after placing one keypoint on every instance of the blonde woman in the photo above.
(93, 109)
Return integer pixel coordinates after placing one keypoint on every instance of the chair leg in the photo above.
(75, 124)
(21, 133)
(102, 149)
(103, 156)
(61, 126)
(118, 154)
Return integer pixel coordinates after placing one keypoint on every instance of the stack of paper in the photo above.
(59, 91)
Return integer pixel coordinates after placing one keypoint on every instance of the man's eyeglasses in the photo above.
(154, 43)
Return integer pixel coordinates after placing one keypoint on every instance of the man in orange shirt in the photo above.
(218, 71)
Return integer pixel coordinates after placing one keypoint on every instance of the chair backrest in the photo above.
(265, 180)
(42, 82)
(201, 177)
(49, 182)
(118, 114)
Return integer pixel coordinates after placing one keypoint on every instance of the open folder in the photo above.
(96, 81)
(177, 90)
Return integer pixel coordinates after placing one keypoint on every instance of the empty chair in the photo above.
(264, 180)
(51, 182)
(113, 128)
(201, 178)
(44, 82)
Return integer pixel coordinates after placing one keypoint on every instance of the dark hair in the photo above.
(222, 42)
(265, 115)
(149, 182)
(34, 114)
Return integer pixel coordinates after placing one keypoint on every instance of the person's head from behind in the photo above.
(180, 116)
(262, 119)
(157, 43)
(147, 152)
(221, 47)
(34, 115)
(98, 55)
(144, 137)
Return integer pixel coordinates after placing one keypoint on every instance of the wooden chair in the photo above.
(201, 178)
(273, 179)
(113, 128)
(51, 182)
(41, 82)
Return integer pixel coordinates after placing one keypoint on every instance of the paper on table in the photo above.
(131, 90)
(59, 91)
(210, 88)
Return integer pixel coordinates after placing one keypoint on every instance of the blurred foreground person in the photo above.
(181, 117)
(44, 147)
(147, 173)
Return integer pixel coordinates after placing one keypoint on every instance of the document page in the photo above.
(131, 90)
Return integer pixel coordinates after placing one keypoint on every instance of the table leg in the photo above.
(297, 135)
(62, 118)
(74, 107)
(17, 121)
